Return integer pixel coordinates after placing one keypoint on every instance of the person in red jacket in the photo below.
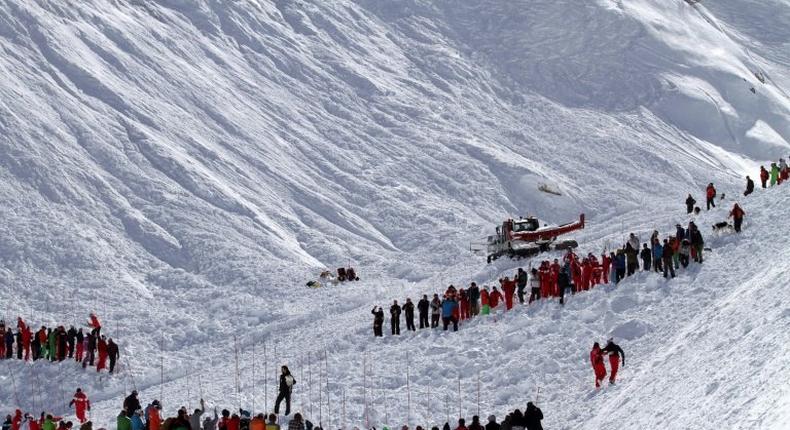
(101, 346)
(576, 274)
(614, 352)
(544, 272)
(26, 337)
(595, 277)
(710, 196)
(509, 289)
(764, 176)
(737, 215)
(463, 304)
(586, 274)
(94, 324)
(485, 304)
(606, 264)
(596, 359)
(494, 298)
(16, 422)
(81, 405)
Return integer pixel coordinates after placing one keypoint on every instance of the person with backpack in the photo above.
(647, 257)
(395, 311)
(422, 307)
(532, 417)
(408, 309)
(615, 352)
(378, 321)
(764, 176)
(710, 195)
(690, 202)
(286, 387)
(749, 186)
(436, 311)
(737, 215)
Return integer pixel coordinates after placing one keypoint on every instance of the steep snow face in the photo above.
(203, 159)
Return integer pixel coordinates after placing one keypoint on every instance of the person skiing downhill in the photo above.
(596, 359)
(286, 386)
(615, 352)
(81, 405)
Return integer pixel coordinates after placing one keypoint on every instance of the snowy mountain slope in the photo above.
(204, 158)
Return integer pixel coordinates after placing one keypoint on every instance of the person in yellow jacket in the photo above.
(272, 424)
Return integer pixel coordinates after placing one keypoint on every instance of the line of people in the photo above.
(59, 344)
(550, 280)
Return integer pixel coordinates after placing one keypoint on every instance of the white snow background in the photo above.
(183, 167)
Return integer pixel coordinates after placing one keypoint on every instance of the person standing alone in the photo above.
(287, 383)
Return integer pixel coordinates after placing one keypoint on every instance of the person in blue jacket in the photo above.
(658, 255)
(448, 309)
(619, 266)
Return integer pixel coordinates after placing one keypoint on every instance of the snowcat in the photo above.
(525, 237)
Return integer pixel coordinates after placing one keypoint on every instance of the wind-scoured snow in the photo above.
(183, 167)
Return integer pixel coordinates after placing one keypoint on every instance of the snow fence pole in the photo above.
(265, 378)
(447, 406)
(459, 397)
(238, 375)
(162, 370)
(408, 390)
(189, 386)
(310, 384)
(200, 385)
(320, 397)
(13, 382)
(344, 409)
(537, 395)
(253, 378)
(478, 393)
(365, 388)
(328, 394)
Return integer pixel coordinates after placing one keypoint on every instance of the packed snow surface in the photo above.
(183, 167)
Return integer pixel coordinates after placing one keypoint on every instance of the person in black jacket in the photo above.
(647, 257)
(690, 202)
(697, 242)
(408, 309)
(422, 307)
(749, 186)
(395, 318)
(532, 417)
(131, 404)
(286, 386)
(71, 337)
(492, 424)
(112, 354)
(378, 321)
(564, 281)
(521, 279)
(474, 299)
(615, 352)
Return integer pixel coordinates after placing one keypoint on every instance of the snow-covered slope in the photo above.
(182, 167)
